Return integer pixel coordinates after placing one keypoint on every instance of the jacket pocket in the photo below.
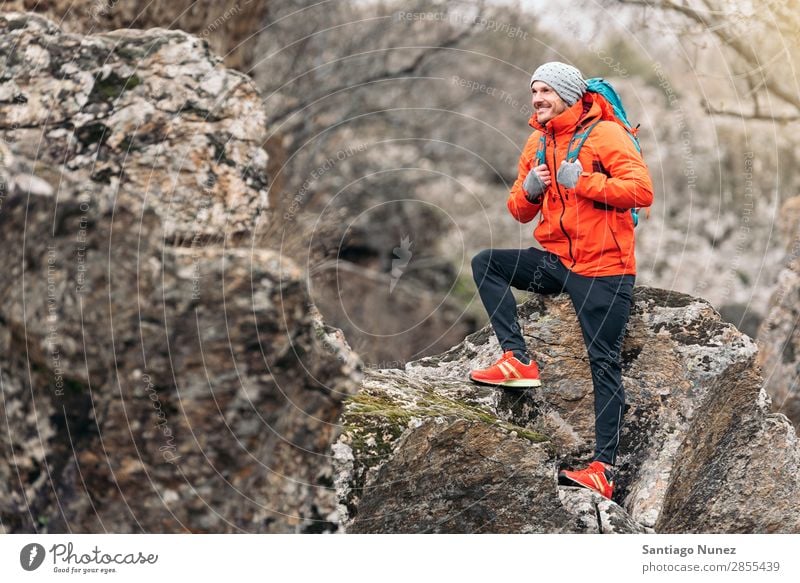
(594, 237)
(621, 226)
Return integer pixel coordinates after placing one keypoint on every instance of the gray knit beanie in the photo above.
(565, 79)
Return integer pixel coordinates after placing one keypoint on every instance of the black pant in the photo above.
(601, 303)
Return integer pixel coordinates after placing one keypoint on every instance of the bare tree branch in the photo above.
(408, 71)
(755, 115)
(745, 51)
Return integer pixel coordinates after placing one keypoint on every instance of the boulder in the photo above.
(149, 116)
(229, 26)
(158, 374)
(778, 334)
(425, 450)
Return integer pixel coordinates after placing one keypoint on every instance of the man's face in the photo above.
(546, 102)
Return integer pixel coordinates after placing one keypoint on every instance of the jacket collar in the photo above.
(581, 112)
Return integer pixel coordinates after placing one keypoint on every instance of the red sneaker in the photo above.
(508, 372)
(596, 477)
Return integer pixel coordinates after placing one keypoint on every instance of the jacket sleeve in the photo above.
(519, 206)
(629, 185)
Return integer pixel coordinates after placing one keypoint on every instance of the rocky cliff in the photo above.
(159, 372)
(424, 450)
(779, 334)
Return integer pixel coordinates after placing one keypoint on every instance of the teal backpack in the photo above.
(612, 110)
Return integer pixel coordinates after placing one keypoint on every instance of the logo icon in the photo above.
(31, 556)
(403, 256)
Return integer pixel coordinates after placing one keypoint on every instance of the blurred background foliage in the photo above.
(395, 129)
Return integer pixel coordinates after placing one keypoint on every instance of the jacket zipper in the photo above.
(563, 204)
(616, 242)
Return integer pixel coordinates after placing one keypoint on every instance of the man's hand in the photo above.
(568, 173)
(536, 182)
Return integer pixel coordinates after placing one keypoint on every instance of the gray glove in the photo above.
(568, 173)
(533, 187)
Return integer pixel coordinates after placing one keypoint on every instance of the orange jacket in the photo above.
(589, 227)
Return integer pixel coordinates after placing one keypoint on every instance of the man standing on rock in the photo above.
(587, 230)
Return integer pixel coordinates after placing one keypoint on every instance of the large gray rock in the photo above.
(150, 116)
(149, 386)
(779, 343)
(425, 450)
(229, 26)
(779, 333)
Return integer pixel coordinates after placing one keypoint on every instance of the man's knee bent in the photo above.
(480, 264)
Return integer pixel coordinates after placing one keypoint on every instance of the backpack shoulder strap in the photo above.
(576, 143)
(541, 149)
(577, 140)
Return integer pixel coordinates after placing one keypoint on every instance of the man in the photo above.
(586, 229)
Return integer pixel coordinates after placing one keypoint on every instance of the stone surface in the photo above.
(695, 406)
(157, 374)
(779, 335)
(492, 483)
(150, 116)
(739, 469)
(229, 26)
